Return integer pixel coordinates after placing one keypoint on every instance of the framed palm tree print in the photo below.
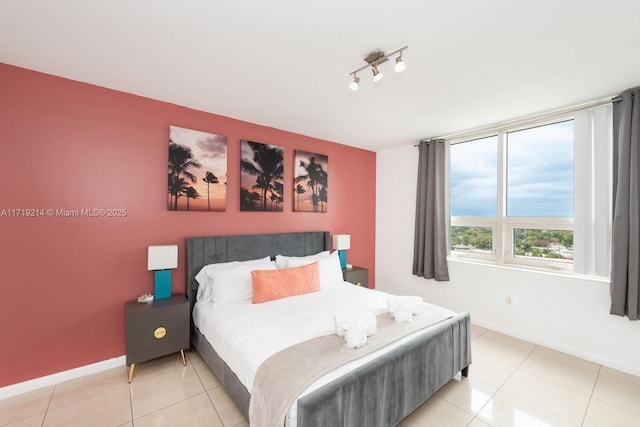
(310, 186)
(197, 171)
(261, 177)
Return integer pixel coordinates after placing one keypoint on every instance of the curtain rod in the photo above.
(529, 119)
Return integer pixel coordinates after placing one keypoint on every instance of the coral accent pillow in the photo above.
(285, 282)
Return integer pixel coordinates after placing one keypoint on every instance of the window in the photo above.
(474, 178)
(511, 196)
(540, 171)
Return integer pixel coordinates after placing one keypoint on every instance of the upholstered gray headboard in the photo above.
(209, 250)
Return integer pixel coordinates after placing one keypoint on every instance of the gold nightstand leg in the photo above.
(184, 361)
(131, 369)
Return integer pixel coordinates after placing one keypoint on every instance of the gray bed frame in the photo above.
(381, 393)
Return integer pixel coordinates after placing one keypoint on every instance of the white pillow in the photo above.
(235, 284)
(330, 270)
(204, 279)
(281, 260)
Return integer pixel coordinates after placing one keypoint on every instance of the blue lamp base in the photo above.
(342, 254)
(162, 284)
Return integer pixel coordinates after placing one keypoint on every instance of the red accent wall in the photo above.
(71, 145)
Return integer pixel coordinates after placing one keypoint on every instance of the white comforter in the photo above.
(245, 334)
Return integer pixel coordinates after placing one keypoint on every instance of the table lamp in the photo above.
(342, 242)
(161, 259)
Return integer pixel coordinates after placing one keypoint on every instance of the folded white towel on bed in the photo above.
(355, 327)
(402, 308)
(355, 338)
(349, 319)
(402, 316)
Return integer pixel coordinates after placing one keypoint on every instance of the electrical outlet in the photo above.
(507, 300)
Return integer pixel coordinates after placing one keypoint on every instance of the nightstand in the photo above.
(155, 329)
(357, 275)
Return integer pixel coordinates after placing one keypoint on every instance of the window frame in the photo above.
(503, 226)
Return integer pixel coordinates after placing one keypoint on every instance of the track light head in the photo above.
(355, 83)
(400, 64)
(377, 75)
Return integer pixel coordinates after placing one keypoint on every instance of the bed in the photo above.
(382, 391)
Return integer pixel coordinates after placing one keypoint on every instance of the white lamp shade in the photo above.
(341, 242)
(162, 257)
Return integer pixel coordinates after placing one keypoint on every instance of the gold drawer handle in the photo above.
(160, 332)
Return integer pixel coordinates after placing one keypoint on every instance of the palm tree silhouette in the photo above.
(299, 190)
(210, 179)
(177, 188)
(266, 166)
(191, 193)
(316, 178)
(180, 160)
(278, 191)
(248, 200)
(273, 198)
(323, 198)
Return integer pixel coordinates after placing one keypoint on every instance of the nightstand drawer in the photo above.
(156, 329)
(357, 275)
(145, 346)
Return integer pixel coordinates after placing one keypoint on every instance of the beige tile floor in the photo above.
(511, 383)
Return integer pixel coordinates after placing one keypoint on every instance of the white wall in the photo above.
(566, 313)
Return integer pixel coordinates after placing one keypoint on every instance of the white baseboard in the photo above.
(57, 378)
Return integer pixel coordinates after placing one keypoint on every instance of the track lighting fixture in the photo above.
(377, 75)
(373, 60)
(355, 83)
(400, 65)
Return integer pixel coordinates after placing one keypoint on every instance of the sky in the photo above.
(539, 173)
(211, 151)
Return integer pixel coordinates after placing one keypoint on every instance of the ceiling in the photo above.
(286, 63)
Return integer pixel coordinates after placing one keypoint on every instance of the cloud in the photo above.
(212, 146)
(539, 173)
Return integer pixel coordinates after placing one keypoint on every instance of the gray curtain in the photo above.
(625, 244)
(430, 239)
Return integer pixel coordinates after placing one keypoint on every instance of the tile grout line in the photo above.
(558, 384)
(207, 393)
(498, 389)
(593, 389)
(620, 382)
(571, 366)
(214, 407)
(475, 416)
(46, 411)
(167, 406)
(504, 382)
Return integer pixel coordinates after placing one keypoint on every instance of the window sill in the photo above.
(528, 268)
